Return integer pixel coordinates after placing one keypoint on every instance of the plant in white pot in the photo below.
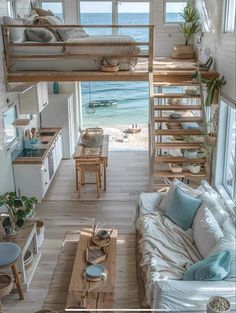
(189, 28)
(218, 305)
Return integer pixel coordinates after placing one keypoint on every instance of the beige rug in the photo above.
(126, 286)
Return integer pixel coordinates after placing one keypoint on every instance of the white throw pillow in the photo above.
(206, 231)
(211, 202)
(228, 242)
(169, 195)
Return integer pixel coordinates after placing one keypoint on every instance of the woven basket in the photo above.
(6, 285)
(107, 66)
(92, 137)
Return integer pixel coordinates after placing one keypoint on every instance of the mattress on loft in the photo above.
(81, 63)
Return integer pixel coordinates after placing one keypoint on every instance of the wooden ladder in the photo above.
(169, 137)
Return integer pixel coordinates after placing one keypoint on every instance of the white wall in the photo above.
(221, 45)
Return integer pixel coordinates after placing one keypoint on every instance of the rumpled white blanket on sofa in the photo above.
(166, 249)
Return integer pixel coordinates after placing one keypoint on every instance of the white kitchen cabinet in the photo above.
(34, 99)
(60, 113)
(32, 179)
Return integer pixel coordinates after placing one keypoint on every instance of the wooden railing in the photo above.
(11, 56)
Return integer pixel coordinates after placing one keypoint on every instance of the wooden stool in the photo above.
(83, 166)
(9, 254)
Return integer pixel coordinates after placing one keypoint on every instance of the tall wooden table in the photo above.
(101, 297)
(26, 238)
(82, 152)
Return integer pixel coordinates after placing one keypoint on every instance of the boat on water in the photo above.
(102, 103)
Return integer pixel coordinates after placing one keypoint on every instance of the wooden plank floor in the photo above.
(62, 211)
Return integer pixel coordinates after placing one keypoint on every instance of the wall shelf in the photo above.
(21, 122)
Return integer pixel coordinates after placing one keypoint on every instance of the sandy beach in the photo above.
(121, 139)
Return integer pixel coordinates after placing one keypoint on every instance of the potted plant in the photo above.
(218, 304)
(18, 210)
(176, 167)
(213, 87)
(189, 27)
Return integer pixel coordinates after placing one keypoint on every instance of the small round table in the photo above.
(9, 254)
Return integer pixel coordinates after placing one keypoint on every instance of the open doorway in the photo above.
(121, 109)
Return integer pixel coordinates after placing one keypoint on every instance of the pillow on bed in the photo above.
(40, 35)
(42, 12)
(16, 34)
(67, 33)
(45, 20)
(72, 33)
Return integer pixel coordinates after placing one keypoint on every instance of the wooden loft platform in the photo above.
(30, 61)
(164, 69)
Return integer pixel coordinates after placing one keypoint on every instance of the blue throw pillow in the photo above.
(215, 267)
(182, 209)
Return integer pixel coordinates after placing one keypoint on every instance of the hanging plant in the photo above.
(213, 89)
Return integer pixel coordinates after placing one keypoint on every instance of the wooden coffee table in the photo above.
(101, 297)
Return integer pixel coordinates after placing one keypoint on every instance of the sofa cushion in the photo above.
(149, 202)
(169, 195)
(228, 242)
(215, 267)
(206, 231)
(182, 209)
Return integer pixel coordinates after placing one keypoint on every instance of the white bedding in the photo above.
(79, 63)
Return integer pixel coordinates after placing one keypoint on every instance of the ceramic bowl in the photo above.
(103, 234)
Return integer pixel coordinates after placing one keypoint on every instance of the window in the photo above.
(10, 132)
(173, 10)
(55, 6)
(11, 8)
(226, 151)
(229, 181)
(229, 18)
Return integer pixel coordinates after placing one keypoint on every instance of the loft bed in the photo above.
(77, 59)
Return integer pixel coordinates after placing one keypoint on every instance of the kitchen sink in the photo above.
(44, 142)
(47, 133)
(32, 153)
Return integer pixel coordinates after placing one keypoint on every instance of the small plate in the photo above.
(95, 270)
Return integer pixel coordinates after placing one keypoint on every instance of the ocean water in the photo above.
(132, 97)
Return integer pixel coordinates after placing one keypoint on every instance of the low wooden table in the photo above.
(102, 296)
(100, 153)
(26, 238)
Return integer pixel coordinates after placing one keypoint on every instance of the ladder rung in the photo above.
(178, 145)
(184, 174)
(179, 120)
(175, 95)
(181, 132)
(177, 107)
(173, 159)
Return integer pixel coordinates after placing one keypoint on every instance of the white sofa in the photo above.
(165, 294)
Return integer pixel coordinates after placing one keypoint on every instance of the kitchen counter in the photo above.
(45, 138)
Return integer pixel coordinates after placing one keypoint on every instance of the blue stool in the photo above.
(9, 254)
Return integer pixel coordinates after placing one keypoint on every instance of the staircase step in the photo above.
(178, 145)
(184, 83)
(184, 174)
(179, 120)
(179, 132)
(174, 95)
(177, 107)
(173, 159)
